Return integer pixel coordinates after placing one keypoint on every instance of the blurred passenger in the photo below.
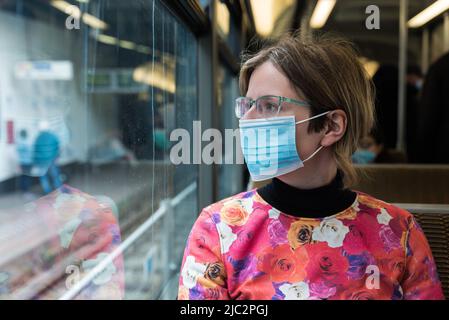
(46, 152)
(25, 154)
(367, 152)
(306, 235)
(433, 114)
(386, 83)
(415, 78)
(372, 150)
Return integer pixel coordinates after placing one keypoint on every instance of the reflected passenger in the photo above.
(306, 235)
(66, 234)
(46, 153)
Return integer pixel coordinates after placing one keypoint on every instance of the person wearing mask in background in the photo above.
(306, 235)
(372, 150)
(46, 152)
(367, 151)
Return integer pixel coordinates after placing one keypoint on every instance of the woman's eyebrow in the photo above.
(260, 96)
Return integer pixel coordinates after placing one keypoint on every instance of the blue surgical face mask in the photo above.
(419, 84)
(269, 146)
(363, 156)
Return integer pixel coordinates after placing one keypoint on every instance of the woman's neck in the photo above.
(319, 202)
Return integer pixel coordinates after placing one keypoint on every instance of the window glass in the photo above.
(89, 199)
(230, 179)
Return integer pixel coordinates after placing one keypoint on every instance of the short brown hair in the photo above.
(326, 70)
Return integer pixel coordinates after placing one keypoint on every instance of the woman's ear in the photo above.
(335, 127)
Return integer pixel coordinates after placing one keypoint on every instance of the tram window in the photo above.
(228, 88)
(87, 105)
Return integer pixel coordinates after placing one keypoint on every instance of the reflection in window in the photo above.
(87, 191)
(228, 91)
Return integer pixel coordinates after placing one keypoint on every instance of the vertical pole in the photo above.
(403, 38)
(167, 240)
(206, 98)
(446, 32)
(425, 50)
(215, 67)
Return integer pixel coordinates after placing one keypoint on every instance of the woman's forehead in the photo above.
(266, 79)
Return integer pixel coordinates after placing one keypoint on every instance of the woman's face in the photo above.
(268, 80)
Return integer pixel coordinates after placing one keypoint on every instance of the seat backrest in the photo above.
(434, 220)
(400, 183)
(405, 183)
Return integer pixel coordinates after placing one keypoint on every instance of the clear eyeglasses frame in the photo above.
(266, 106)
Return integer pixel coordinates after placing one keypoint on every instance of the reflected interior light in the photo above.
(167, 58)
(94, 22)
(127, 44)
(429, 13)
(321, 13)
(266, 12)
(107, 39)
(75, 12)
(223, 17)
(158, 76)
(371, 66)
(143, 49)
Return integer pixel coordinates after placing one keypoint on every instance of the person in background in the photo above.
(46, 152)
(368, 151)
(25, 154)
(372, 150)
(433, 115)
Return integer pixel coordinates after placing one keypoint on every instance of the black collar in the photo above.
(308, 203)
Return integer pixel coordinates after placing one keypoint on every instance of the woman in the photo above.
(305, 235)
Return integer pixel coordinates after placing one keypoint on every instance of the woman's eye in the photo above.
(270, 107)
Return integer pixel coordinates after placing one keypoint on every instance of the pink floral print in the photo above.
(243, 248)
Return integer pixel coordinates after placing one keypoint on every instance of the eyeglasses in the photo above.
(266, 106)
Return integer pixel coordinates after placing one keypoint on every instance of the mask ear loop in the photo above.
(313, 154)
(305, 120)
(314, 117)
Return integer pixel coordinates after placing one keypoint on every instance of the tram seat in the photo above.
(405, 183)
(400, 183)
(434, 220)
(423, 190)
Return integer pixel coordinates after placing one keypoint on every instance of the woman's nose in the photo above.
(251, 113)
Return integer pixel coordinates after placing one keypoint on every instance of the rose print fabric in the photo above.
(243, 248)
(88, 232)
(68, 233)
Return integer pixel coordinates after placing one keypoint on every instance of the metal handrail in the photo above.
(424, 208)
(160, 212)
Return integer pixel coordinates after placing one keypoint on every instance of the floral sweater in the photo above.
(244, 248)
